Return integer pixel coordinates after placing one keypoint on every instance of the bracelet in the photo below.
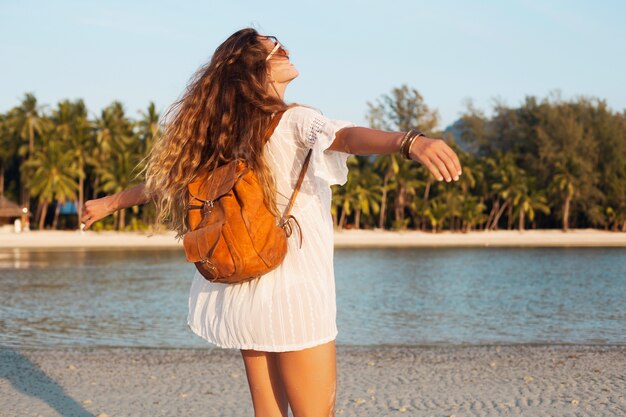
(407, 141)
(404, 141)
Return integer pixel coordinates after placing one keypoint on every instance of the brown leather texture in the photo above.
(233, 236)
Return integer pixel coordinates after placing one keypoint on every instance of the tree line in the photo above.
(548, 163)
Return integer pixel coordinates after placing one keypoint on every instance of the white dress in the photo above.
(292, 307)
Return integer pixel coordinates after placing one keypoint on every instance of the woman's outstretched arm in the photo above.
(94, 210)
(435, 154)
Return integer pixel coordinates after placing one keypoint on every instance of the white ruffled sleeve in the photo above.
(318, 132)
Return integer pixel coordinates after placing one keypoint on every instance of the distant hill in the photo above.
(455, 130)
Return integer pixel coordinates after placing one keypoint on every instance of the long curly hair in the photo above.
(222, 115)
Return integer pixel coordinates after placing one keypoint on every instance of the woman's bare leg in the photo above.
(268, 393)
(310, 379)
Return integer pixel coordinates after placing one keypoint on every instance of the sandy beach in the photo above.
(343, 239)
(556, 380)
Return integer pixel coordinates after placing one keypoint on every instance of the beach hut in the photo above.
(9, 211)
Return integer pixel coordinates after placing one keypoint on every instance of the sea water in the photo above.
(384, 296)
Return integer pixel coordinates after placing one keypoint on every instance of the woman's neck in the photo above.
(278, 89)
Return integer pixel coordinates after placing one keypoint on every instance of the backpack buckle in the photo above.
(206, 262)
(207, 206)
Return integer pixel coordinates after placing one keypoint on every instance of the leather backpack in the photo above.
(233, 236)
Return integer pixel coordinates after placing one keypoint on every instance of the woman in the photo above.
(283, 322)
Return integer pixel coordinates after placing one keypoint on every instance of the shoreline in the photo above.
(442, 346)
(553, 380)
(53, 240)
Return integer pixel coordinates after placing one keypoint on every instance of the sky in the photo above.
(348, 52)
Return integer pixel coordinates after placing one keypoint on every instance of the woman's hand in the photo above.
(94, 210)
(437, 156)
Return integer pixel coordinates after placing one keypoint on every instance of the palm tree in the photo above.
(472, 212)
(348, 194)
(114, 134)
(436, 212)
(6, 148)
(508, 181)
(149, 128)
(453, 205)
(528, 202)
(27, 121)
(72, 124)
(417, 210)
(53, 178)
(497, 178)
(407, 185)
(117, 175)
(474, 191)
(389, 166)
(616, 218)
(564, 184)
(367, 192)
(335, 203)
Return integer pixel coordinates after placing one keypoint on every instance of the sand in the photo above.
(524, 380)
(343, 239)
(501, 238)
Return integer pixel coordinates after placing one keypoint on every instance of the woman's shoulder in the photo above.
(299, 112)
(299, 121)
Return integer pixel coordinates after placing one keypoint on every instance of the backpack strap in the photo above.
(272, 126)
(298, 184)
(287, 217)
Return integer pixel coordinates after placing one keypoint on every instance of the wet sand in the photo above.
(554, 380)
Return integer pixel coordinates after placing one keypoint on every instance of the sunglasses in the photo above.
(279, 50)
